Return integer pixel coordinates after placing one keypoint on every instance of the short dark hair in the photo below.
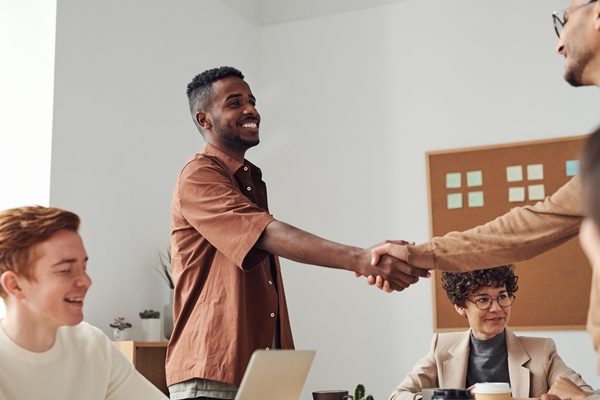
(199, 89)
(22, 228)
(459, 285)
(590, 177)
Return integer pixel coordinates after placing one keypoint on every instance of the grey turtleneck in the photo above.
(488, 360)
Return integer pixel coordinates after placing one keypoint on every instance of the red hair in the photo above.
(22, 228)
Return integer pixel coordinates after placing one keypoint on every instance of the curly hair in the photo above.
(590, 176)
(199, 89)
(22, 228)
(460, 285)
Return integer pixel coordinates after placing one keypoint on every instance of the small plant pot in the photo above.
(151, 330)
(122, 334)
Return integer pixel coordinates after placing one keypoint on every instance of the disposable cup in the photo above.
(492, 391)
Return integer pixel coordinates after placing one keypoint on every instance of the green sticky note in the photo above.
(453, 180)
(454, 201)
(474, 178)
(475, 199)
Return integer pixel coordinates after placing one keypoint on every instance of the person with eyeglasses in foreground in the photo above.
(590, 242)
(489, 351)
(46, 351)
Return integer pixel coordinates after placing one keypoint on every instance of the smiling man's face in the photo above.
(233, 115)
(54, 297)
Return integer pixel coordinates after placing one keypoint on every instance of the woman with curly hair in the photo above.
(489, 351)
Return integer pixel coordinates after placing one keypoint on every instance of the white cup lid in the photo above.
(492, 388)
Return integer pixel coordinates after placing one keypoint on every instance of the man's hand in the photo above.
(396, 249)
(564, 388)
(394, 274)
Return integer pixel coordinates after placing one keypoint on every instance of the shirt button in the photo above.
(272, 314)
(248, 188)
(270, 283)
(245, 168)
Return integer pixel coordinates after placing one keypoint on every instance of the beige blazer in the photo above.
(533, 366)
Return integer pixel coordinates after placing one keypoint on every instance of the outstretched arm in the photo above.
(292, 243)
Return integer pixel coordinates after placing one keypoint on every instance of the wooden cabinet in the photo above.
(149, 359)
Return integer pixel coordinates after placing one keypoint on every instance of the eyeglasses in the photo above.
(559, 16)
(484, 302)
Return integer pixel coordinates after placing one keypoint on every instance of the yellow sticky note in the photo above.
(514, 173)
(516, 194)
(535, 172)
(536, 192)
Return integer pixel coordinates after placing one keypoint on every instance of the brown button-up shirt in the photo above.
(226, 300)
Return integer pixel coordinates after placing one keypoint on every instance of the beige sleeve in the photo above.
(593, 319)
(423, 375)
(519, 235)
(556, 367)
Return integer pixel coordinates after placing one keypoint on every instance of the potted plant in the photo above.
(359, 393)
(166, 273)
(121, 331)
(150, 326)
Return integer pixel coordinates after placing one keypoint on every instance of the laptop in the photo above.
(275, 375)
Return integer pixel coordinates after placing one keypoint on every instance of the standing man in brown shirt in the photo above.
(526, 232)
(229, 298)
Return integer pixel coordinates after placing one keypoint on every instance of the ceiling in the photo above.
(270, 12)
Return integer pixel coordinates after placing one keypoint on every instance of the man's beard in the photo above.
(224, 132)
(580, 58)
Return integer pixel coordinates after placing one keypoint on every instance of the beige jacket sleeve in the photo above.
(423, 375)
(519, 235)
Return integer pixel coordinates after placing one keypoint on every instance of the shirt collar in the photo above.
(232, 165)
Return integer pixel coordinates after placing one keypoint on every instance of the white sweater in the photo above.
(83, 364)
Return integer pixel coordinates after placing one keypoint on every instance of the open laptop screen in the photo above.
(275, 375)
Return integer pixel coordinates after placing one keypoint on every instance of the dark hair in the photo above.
(199, 89)
(459, 285)
(590, 177)
(22, 228)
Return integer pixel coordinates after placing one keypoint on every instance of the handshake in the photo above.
(388, 269)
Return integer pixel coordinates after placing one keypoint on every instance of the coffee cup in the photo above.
(492, 391)
(425, 394)
(331, 395)
(452, 394)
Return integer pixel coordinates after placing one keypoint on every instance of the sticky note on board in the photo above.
(453, 180)
(514, 173)
(474, 178)
(516, 194)
(454, 201)
(536, 192)
(475, 199)
(535, 172)
(572, 167)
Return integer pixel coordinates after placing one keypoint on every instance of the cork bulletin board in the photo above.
(470, 187)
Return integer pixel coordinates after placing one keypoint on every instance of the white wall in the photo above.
(122, 131)
(350, 104)
(26, 88)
